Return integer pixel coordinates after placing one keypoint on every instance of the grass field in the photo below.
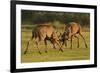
(75, 53)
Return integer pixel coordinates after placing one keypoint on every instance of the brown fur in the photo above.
(73, 29)
(44, 32)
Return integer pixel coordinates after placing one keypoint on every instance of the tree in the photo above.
(38, 17)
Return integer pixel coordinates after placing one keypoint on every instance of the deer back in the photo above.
(44, 31)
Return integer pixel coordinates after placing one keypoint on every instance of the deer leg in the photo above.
(26, 48)
(65, 43)
(77, 41)
(37, 44)
(62, 44)
(59, 46)
(53, 43)
(54, 46)
(28, 45)
(45, 41)
(71, 41)
(83, 39)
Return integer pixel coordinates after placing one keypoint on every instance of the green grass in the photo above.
(75, 53)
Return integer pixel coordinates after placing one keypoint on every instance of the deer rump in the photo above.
(44, 33)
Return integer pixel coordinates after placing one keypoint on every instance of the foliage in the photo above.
(39, 17)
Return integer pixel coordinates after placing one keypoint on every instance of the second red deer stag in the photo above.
(43, 33)
(70, 32)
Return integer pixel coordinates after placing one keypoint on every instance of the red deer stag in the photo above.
(44, 32)
(73, 29)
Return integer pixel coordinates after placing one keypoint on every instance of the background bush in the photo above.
(38, 17)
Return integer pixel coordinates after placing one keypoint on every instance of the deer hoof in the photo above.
(86, 46)
(61, 50)
(45, 51)
(25, 52)
(40, 52)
